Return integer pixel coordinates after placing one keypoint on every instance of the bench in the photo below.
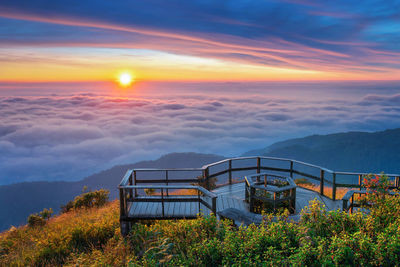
(240, 217)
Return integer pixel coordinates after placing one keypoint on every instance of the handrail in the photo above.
(126, 177)
(349, 196)
(242, 158)
(200, 188)
(168, 169)
(269, 187)
(251, 186)
(292, 170)
(365, 173)
(127, 200)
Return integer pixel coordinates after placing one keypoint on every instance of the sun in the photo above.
(125, 79)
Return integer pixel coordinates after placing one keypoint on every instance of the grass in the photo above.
(91, 237)
(63, 235)
(328, 191)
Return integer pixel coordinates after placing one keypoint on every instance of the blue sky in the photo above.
(335, 39)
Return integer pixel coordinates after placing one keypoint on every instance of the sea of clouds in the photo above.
(70, 136)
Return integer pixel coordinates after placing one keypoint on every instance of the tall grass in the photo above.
(91, 237)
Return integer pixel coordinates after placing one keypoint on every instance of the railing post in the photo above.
(258, 164)
(134, 181)
(397, 182)
(291, 169)
(162, 201)
(246, 191)
(198, 197)
(334, 186)
(351, 203)
(293, 200)
(360, 180)
(166, 179)
(214, 206)
(344, 207)
(130, 183)
(122, 203)
(205, 177)
(321, 184)
(251, 202)
(230, 171)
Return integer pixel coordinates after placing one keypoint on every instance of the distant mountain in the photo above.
(21, 199)
(352, 151)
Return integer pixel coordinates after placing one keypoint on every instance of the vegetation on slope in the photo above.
(39, 195)
(91, 237)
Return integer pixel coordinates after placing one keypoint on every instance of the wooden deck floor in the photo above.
(171, 210)
(230, 196)
(234, 194)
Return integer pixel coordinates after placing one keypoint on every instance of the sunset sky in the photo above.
(209, 76)
(49, 40)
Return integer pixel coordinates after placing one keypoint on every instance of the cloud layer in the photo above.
(54, 137)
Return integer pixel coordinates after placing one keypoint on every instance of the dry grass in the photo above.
(340, 192)
(28, 245)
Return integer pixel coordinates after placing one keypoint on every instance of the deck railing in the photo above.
(225, 171)
(279, 195)
(352, 199)
(136, 193)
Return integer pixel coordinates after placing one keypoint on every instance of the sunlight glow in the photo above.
(125, 79)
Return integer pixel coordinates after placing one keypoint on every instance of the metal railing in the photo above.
(352, 199)
(224, 171)
(127, 197)
(278, 194)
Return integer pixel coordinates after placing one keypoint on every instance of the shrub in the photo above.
(322, 238)
(39, 219)
(46, 213)
(149, 191)
(35, 220)
(377, 186)
(87, 200)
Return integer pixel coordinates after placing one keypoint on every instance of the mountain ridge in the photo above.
(30, 197)
(351, 151)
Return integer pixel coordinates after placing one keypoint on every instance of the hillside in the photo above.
(23, 199)
(352, 151)
(91, 237)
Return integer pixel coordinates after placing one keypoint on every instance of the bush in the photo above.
(92, 238)
(35, 220)
(87, 200)
(39, 219)
(149, 191)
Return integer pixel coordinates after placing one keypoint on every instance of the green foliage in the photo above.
(91, 237)
(46, 213)
(35, 220)
(39, 219)
(149, 191)
(89, 199)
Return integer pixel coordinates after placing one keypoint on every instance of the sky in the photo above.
(219, 77)
(199, 40)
